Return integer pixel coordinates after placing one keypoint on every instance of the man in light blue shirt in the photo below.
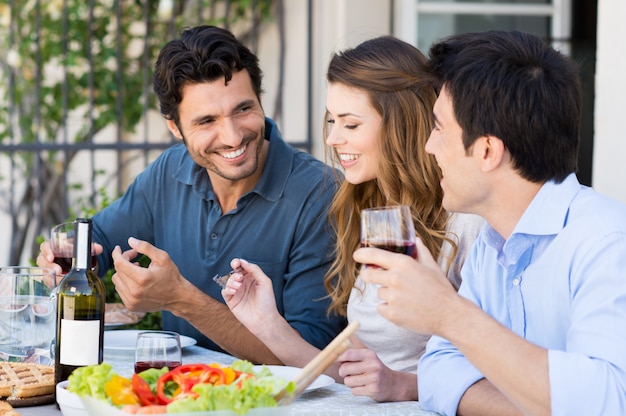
(539, 323)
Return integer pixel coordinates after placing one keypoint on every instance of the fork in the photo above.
(221, 280)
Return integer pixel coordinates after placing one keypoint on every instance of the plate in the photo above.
(125, 340)
(113, 326)
(31, 401)
(289, 373)
(117, 315)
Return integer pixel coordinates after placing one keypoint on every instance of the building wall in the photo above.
(338, 24)
(609, 169)
(341, 23)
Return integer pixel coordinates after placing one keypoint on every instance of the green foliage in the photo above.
(67, 58)
(70, 68)
(69, 63)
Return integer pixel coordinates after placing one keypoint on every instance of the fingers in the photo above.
(97, 249)
(246, 266)
(45, 258)
(233, 284)
(143, 247)
(122, 260)
(45, 252)
(252, 271)
(423, 254)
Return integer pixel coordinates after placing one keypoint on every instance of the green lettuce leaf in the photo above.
(90, 380)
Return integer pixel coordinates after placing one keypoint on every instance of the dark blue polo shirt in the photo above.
(281, 225)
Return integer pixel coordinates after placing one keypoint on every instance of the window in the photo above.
(423, 22)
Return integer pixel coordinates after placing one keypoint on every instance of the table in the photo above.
(335, 399)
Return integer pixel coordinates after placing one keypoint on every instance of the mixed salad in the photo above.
(188, 388)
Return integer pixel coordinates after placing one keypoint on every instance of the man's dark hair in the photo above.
(514, 86)
(202, 54)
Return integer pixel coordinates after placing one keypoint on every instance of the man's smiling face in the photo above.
(223, 126)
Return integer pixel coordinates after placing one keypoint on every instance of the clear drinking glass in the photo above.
(390, 228)
(157, 349)
(62, 242)
(27, 314)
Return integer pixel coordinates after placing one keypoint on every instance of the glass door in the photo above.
(422, 22)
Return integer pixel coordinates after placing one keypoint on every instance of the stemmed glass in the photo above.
(390, 228)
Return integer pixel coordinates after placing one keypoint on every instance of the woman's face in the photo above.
(354, 130)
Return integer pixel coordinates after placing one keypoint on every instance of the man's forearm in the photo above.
(515, 367)
(483, 399)
(217, 322)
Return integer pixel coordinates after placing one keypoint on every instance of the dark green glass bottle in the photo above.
(81, 301)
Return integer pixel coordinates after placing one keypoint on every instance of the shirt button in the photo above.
(213, 236)
(515, 282)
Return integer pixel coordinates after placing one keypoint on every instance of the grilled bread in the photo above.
(7, 410)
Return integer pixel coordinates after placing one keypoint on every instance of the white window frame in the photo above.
(407, 11)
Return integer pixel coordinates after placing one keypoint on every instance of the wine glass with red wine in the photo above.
(390, 228)
(62, 242)
(157, 349)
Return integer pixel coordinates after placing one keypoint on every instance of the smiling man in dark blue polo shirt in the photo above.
(234, 189)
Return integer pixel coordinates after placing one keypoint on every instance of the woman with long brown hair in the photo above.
(378, 119)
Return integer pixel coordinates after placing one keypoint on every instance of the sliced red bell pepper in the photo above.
(187, 376)
(142, 389)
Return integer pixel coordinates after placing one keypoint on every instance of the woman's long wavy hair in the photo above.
(394, 74)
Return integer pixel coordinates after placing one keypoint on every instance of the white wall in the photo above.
(339, 24)
(609, 167)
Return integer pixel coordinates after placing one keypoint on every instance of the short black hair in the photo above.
(202, 54)
(514, 86)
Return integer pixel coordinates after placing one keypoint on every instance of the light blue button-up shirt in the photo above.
(281, 225)
(559, 281)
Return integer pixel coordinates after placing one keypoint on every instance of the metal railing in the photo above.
(76, 105)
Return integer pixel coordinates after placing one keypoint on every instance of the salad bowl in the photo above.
(97, 407)
(69, 403)
(191, 389)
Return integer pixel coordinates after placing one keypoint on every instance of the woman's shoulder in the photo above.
(461, 223)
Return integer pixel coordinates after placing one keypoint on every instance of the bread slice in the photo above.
(23, 380)
(7, 410)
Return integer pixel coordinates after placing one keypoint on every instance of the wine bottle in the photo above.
(81, 300)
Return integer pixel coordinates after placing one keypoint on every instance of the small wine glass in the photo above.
(390, 228)
(157, 349)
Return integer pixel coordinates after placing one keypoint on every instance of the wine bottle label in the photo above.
(80, 342)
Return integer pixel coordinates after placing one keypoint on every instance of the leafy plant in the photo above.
(68, 70)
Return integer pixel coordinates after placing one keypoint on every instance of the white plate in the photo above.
(289, 373)
(113, 326)
(126, 339)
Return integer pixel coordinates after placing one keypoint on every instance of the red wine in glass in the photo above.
(66, 263)
(144, 365)
(402, 247)
(390, 228)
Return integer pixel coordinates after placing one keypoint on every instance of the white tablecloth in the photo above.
(335, 399)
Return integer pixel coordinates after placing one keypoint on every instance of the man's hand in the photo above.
(414, 292)
(46, 257)
(146, 289)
